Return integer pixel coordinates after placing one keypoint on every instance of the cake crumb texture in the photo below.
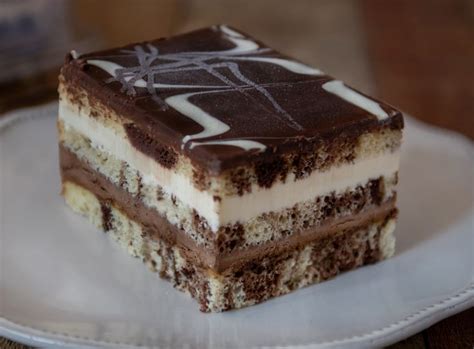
(78, 153)
(252, 282)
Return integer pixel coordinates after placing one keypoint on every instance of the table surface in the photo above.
(395, 54)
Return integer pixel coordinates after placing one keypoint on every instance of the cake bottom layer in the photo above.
(247, 284)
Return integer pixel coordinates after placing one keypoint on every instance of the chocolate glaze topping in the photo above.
(222, 98)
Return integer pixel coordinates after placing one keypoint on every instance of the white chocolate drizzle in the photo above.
(111, 68)
(293, 66)
(212, 126)
(245, 50)
(74, 54)
(241, 43)
(338, 88)
(241, 143)
(230, 32)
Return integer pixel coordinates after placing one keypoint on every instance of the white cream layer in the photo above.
(234, 208)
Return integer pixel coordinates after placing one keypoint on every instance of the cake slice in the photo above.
(235, 172)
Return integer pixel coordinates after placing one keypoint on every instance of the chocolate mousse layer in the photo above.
(79, 172)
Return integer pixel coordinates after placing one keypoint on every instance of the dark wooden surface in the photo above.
(422, 55)
(418, 55)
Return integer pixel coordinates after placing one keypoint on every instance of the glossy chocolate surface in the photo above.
(221, 97)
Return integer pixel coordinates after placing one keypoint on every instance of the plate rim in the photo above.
(385, 335)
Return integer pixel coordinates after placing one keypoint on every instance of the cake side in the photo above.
(248, 284)
(292, 165)
(305, 218)
(228, 222)
(376, 157)
(230, 245)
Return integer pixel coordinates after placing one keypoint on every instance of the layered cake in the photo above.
(234, 171)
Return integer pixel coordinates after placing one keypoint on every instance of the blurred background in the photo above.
(416, 55)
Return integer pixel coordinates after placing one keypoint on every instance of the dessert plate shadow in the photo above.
(65, 284)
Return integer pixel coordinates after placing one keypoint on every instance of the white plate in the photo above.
(65, 284)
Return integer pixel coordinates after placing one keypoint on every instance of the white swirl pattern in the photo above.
(132, 77)
(338, 88)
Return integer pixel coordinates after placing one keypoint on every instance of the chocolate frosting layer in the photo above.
(223, 98)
